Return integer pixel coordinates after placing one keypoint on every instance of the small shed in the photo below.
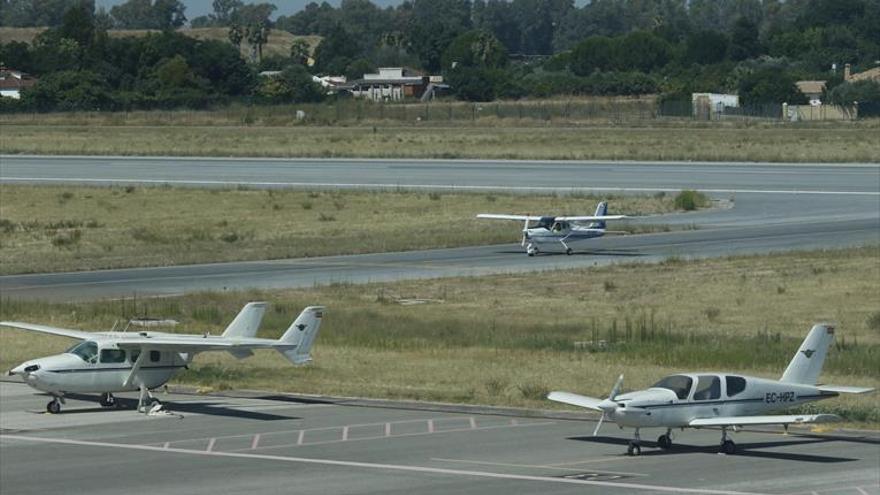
(709, 105)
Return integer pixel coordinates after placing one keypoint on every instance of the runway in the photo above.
(253, 443)
(766, 208)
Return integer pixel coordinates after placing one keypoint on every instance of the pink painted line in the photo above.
(473, 422)
(430, 426)
(211, 445)
(387, 429)
(344, 433)
(299, 440)
(256, 441)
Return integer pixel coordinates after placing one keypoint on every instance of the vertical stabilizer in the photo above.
(806, 366)
(601, 211)
(297, 341)
(247, 322)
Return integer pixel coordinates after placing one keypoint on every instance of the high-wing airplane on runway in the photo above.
(108, 362)
(720, 400)
(562, 231)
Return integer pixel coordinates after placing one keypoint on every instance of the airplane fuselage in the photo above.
(108, 369)
(729, 396)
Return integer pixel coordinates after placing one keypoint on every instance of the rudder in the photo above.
(297, 341)
(806, 366)
(247, 322)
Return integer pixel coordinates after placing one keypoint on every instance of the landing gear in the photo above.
(665, 441)
(727, 445)
(107, 400)
(54, 406)
(635, 445)
(531, 249)
(568, 250)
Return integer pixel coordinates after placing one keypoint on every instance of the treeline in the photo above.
(486, 49)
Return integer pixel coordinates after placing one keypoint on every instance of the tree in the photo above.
(235, 35)
(294, 84)
(770, 85)
(475, 48)
(78, 24)
(144, 14)
(257, 35)
(859, 91)
(474, 83)
(595, 53)
(432, 25)
(744, 42)
(642, 51)
(253, 14)
(336, 51)
(224, 10)
(706, 47)
(300, 51)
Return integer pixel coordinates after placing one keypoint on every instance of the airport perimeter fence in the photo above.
(575, 111)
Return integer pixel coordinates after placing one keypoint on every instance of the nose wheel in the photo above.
(531, 249)
(107, 400)
(54, 406)
(635, 445)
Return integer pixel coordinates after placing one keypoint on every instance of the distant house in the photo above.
(868, 75)
(813, 90)
(395, 84)
(13, 81)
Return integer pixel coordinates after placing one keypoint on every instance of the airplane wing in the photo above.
(197, 344)
(575, 400)
(63, 332)
(591, 218)
(844, 389)
(765, 420)
(494, 216)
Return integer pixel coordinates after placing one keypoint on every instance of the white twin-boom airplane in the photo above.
(108, 362)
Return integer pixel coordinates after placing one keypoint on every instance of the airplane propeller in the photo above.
(608, 405)
(525, 232)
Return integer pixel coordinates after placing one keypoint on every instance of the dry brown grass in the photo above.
(63, 228)
(497, 339)
(773, 144)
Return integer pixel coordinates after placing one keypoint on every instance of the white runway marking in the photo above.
(447, 187)
(256, 441)
(377, 466)
(538, 466)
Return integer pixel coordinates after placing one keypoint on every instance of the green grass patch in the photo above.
(507, 339)
(49, 228)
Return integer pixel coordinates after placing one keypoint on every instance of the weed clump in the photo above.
(689, 200)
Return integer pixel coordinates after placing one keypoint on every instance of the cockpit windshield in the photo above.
(87, 351)
(679, 384)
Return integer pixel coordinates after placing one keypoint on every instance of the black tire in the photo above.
(107, 400)
(531, 253)
(569, 251)
(728, 447)
(664, 442)
(633, 449)
(53, 407)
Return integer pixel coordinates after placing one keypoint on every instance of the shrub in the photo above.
(690, 200)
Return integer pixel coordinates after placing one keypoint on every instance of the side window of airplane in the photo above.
(112, 356)
(708, 388)
(155, 356)
(735, 385)
(133, 355)
(87, 351)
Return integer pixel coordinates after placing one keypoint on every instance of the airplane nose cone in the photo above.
(18, 370)
(24, 369)
(608, 405)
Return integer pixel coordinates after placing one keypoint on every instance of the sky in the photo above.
(195, 8)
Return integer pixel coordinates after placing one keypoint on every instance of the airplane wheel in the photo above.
(664, 442)
(531, 253)
(107, 400)
(634, 449)
(53, 407)
(728, 447)
(568, 251)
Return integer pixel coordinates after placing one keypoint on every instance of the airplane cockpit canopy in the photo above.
(545, 223)
(678, 384)
(87, 350)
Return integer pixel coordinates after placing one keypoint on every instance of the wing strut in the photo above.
(135, 367)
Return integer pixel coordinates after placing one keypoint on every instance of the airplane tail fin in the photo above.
(297, 341)
(806, 365)
(247, 322)
(601, 211)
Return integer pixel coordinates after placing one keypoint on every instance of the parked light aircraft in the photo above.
(562, 231)
(108, 362)
(725, 400)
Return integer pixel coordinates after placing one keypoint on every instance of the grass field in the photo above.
(763, 143)
(62, 228)
(507, 340)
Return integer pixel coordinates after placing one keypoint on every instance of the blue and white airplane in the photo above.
(561, 231)
(720, 400)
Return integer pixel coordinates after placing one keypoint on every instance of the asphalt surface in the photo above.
(761, 208)
(284, 444)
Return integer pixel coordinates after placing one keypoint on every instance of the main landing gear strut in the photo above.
(107, 400)
(665, 441)
(54, 405)
(727, 445)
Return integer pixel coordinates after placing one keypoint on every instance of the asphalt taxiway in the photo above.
(763, 208)
(253, 443)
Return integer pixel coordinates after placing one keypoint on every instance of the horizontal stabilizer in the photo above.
(842, 389)
(765, 420)
(575, 400)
